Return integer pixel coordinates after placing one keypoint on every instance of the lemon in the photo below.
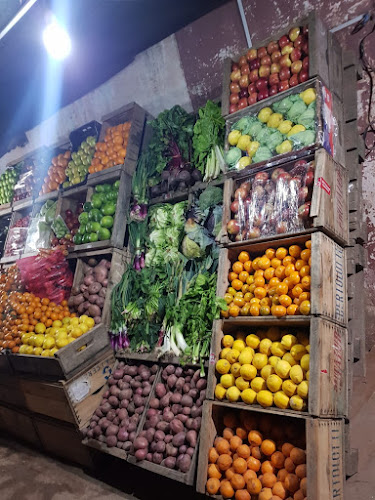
(232, 355)
(74, 321)
(298, 351)
(227, 380)
(303, 389)
(260, 360)
(23, 349)
(66, 321)
(48, 331)
(288, 341)
(248, 396)
(258, 384)
(70, 340)
(84, 328)
(29, 349)
(296, 129)
(40, 328)
(37, 351)
(264, 115)
(61, 342)
(32, 340)
(274, 120)
(57, 323)
(305, 362)
(224, 352)
(296, 374)
(272, 360)
(39, 339)
(282, 368)
(222, 366)
(265, 346)
(45, 353)
(289, 388)
(285, 126)
(252, 341)
(253, 148)
(278, 349)
(239, 345)
(246, 356)
(227, 341)
(53, 331)
(233, 394)
(308, 96)
(266, 371)
(248, 372)
(288, 357)
(307, 375)
(308, 348)
(273, 333)
(52, 351)
(284, 147)
(48, 343)
(233, 137)
(244, 142)
(90, 322)
(265, 398)
(302, 338)
(274, 383)
(243, 162)
(281, 400)
(83, 318)
(62, 331)
(235, 369)
(25, 338)
(297, 403)
(242, 384)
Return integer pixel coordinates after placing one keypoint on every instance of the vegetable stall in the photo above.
(186, 272)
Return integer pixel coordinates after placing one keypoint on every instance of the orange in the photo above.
(254, 486)
(235, 442)
(306, 254)
(308, 244)
(291, 483)
(301, 471)
(268, 447)
(279, 490)
(304, 307)
(281, 288)
(243, 257)
(237, 267)
(213, 485)
(245, 289)
(243, 276)
(259, 281)
(227, 434)
(237, 482)
(269, 273)
(237, 284)
(266, 494)
(254, 309)
(306, 282)
(304, 296)
(239, 301)
(229, 473)
(289, 269)
(288, 260)
(274, 281)
(298, 456)
(249, 474)
(239, 465)
(247, 265)
(255, 438)
(264, 263)
(213, 471)
(259, 272)
(232, 276)
(292, 309)
(226, 489)
(299, 264)
(281, 475)
(294, 277)
(268, 479)
(213, 455)
(277, 459)
(275, 263)
(250, 280)
(289, 465)
(304, 271)
(253, 464)
(224, 462)
(241, 432)
(234, 311)
(222, 447)
(285, 300)
(280, 272)
(286, 449)
(243, 451)
(242, 495)
(297, 290)
(256, 263)
(295, 251)
(281, 253)
(270, 253)
(256, 453)
(260, 292)
(264, 310)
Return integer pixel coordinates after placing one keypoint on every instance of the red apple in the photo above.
(284, 73)
(272, 47)
(284, 85)
(293, 81)
(265, 70)
(234, 88)
(242, 61)
(284, 40)
(255, 63)
(263, 94)
(235, 75)
(275, 56)
(262, 51)
(281, 227)
(275, 174)
(233, 227)
(254, 75)
(274, 79)
(309, 177)
(305, 63)
(244, 93)
(293, 33)
(305, 48)
(299, 41)
(233, 108)
(262, 83)
(304, 210)
(295, 55)
(251, 88)
(253, 97)
(266, 60)
(274, 89)
(284, 176)
(302, 194)
(296, 66)
(245, 69)
(234, 206)
(251, 54)
(287, 49)
(244, 81)
(235, 66)
(234, 98)
(242, 103)
(262, 177)
(303, 76)
(285, 61)
(275, 68)
(254, 233)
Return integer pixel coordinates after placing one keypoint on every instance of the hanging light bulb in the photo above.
(56, 40)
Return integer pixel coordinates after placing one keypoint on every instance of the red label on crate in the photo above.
(324, 185)
(324, 371)
(212, 358)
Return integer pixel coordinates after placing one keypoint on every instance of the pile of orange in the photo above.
(21, 312)
(246, 463)
(56, 173)
(276, 283)
(10, 280)
(112, 151)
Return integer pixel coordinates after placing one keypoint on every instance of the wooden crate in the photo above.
(67, 361)
(18, 424)
(321, 137)
(325, 57)
(119, 259)
(84, 391)
(329, 201)
(328, 365)
(324, 450)
(10, 391)
(328, 272)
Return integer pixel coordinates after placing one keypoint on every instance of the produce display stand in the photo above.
(324, 450)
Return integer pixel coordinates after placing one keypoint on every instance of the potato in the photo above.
(170, 462)
(191, 438)
(160, 390)
(179, 439)
(187, 400)
(184, 463)
(176, 426)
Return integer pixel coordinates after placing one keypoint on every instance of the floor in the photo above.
(28, 475)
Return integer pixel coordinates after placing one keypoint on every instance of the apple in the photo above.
(293, 33)
(287, 49)
(251, 88)
(234, 206)
(295, 55)
(263, 94)
(262, 177)
(284, 73)
(262, 83)
(305, 63)
(244, 81)
(274, 79)
(272, 47)
(284, 85)
(234, 98)
(251, 54)
(234, 88)
(245, 69)
(233, 108)
(244, 93)
(281, 227)
(275, 174)
(255, 63)
(285, 61)
(275, 68)
(233, 227)
(262, 51)
(309, 177)
(235, 66)
(242, 103)
(299, 41)
(235, 75)
(305, 47)
(303, 76)
(266, 60)
(253, 97)
(254, 233)
(284, 40)
(296, 66)
(293, 81)
(304, 210)
(265, 70)
(254, 75)
(284, 176)
(274, 89)
(297, 181)
(275, 56)
(242, 61)
(302, 194)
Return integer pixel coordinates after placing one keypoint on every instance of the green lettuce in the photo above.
(233, 156)
(254, 129)
(275, 139)
(302, 139)
(298, 108)
(263, 153)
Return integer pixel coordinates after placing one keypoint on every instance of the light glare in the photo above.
(57, 41)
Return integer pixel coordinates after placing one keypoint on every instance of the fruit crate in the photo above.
(119, 259)
(15, 232)
(324, 447)
(67, 361)
(136, 115)
(326, 199)
(328, 273)
(329, 127)
(328, 382)
(324, 57)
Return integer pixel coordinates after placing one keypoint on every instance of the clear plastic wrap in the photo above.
(39, 234)
(273, 201)
(25, 186)
(16, 238)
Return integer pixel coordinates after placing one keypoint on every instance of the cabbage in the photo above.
(255, 129)
(307, 118)
(190, 249)
(210, 197)
(302, 139)
(177, 214)
(159, 215)
(283, 106)
(233, 156)
(157, 237)
(243, 124)
(275, 139)
(264, 136)
(298, 108)
(172, 236)
(263, 153)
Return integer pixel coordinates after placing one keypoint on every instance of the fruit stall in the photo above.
(174, 289)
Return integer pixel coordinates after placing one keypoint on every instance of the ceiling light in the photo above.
(56, 40)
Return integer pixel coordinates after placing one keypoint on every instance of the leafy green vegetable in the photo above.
(233, 156)
(244, 124)
(263, 153)
(190, 249)
(264, 136)
(305, 138)
(255, 129)
(298, 108)
(211, 196)
(275, 139)
(283, 106)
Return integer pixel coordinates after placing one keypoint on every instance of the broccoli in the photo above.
(210, 197)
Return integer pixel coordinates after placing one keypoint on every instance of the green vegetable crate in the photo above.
(302, 120)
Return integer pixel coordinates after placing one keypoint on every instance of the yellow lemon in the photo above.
(222, 366)
(248, 372)
(37, 351)
(84, 328)
(289, 388)
(282, 368)
(242, 384)
(233, 394)
(62, 331)
(308, 375)
(244, 142)
(303, 389)
(265, 398)
(25, 338)
(297, 403)
(239, 345)
(264, 115)
(74, 321)
(246, 356)
(260, 360)
(308, 96)
(31, 341)
(66, 321)
(40, 328)
(258, 384)
(233, 137)
(284, 147)
(220, 392)
(70, 340)
(83, 318)
(45, 353)
(273, 333)
(57, 323)
(253, 148)
(61, 342)
(90, 322)
(296, 129)
(266, 371)
(39, 339)
(49, 343)
(227, 341)
(52, 351)
(248, 396)
(274, 120)
(278, 349)
(227, 380)
(232, 355)
(308, 348)
(296, 374)
(52, 331)
(274, 383)
(29, 349)
(288, 341)
(265, 346)
(224, 352)
(23, 349)
(297, 351)
(281, 400)
(235, 369)
(272, 360)
(244, 162)
(285, 126)
(288, 357)
(252, 341)
(305, 362)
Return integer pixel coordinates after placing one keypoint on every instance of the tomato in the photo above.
(285, 300)
(254, 309)
(247, 266)
(260, 292)
(259, 281)
(265, 310)
(234, 311)
(228, 298)
(264, 263)
(304, 271)
(306, 254)
(289, 269)
(275, 263)
(295, 251)
(237, 267)
(281, 253)
(237, 284)
(292, 309)
(239, 301)
(232, 276)
(243, 276)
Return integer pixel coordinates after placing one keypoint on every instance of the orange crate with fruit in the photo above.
(245, 455)
(298, 275)
(297, 365)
